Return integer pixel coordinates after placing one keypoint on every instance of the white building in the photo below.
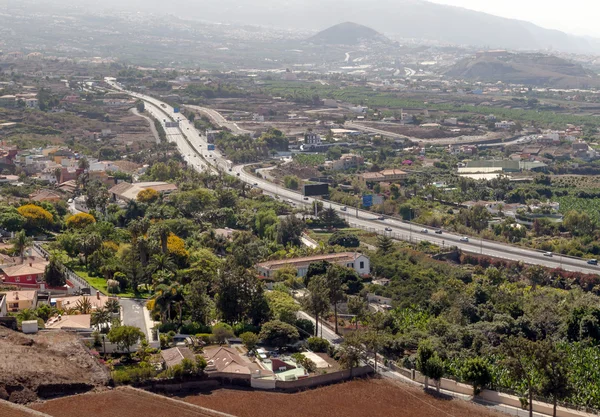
(504, 124)
(355, 260)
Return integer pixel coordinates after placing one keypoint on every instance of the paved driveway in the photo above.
(133, 314)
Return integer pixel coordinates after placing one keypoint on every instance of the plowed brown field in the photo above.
(123, 402)
(360, 398)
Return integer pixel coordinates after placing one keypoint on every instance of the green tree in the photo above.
(54, 274)
(282, 306)
(21, 242)
(290, 230)
(336, 289)
(384, 244)
(291, 181)
(125, 336)
(140, 106)
(477, 372)
(424, 353)
(11, 219)
(221, 332)
(554, 369)
(101, 317)
(345, 239)
(351, 351)
(521, 362)
(250, 340)
(240, 296)
(579, 223)
(317, 299)
(278, 333)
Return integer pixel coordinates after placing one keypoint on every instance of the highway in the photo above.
(462, 140)
(218, 119)
(366, 220)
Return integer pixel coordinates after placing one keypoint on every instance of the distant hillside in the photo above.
(529, 69)
(415, 19)
(347, 34)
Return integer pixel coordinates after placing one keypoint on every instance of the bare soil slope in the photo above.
(45, 365)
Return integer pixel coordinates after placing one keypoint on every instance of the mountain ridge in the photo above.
(408, 19)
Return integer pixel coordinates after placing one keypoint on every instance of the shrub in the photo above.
(221, 332)
(317, 344)
(204, 337)
(249, 339)
(347, 240)
(306, 325)
(240, 328)
(80, 221)
(194, 328)
(148, 195)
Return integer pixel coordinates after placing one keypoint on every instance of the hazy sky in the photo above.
(578, 17)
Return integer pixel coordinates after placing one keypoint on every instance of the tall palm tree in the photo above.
(162, 302)
(21, 242)
(163, 232)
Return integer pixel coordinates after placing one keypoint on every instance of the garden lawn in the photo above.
(100, 284)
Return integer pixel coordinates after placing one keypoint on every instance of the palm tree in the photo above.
(162, 277)
(101, 317)
(21, 242)
(112, 306)
(163, 232)
(84, 305)
(26, 315)
(163, 301)
(161, 262)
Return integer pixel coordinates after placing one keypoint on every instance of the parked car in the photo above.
(464, 239)
(548, 254)
(388, 229)
(438, 232)
(344, 208)
(380, 218)
(424, 231)
(306, 198)
(593, 262)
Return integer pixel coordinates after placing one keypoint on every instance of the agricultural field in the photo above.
(120, 402)
(591, 206)
(357, 398)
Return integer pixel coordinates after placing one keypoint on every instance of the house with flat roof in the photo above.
(126, 192)
(355, 260)
(20, 300)
(76, 321)
(67, 303)
(385, 175)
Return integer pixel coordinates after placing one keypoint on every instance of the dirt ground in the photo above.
(357, 398)
(49, 363)
(118, 403)
(10, 410)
